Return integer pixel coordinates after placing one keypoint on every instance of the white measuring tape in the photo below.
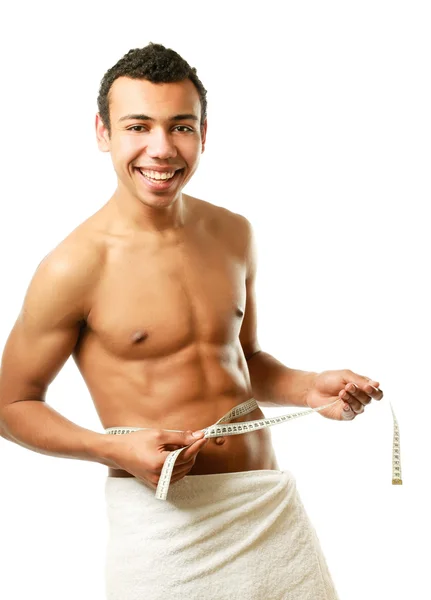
(221, 429)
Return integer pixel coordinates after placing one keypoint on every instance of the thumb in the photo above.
(181, 438)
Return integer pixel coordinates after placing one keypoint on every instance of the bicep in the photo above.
(44, 334)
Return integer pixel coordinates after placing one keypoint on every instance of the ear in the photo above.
(103, 141)
(204, 134)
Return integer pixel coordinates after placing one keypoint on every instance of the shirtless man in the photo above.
(153, 296)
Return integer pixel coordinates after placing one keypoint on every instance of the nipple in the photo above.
(220, 441)
(138, 336)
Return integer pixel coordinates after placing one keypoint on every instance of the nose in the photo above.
(160, 144)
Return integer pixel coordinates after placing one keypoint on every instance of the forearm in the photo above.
(274, 384)
(35, 425)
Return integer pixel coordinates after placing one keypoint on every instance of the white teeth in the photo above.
(157, 174)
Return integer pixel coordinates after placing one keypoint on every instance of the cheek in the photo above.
(126, 149)
(190, 152)
(195, 160)
(122, 156)
(189, 147)
(130, 147)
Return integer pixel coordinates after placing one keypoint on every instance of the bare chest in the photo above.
(159, 300)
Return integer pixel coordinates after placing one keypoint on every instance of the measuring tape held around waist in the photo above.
(222, 428)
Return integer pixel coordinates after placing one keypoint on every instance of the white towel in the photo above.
(241, 536)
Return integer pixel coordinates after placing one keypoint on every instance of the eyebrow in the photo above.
(140, 117)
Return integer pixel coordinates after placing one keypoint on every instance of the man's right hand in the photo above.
(143, 453)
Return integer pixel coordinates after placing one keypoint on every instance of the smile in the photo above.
(159, 181)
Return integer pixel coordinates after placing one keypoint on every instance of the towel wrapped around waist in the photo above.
(243, 535)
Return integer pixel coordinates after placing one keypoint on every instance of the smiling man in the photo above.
(153, 296)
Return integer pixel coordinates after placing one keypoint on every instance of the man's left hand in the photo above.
(355, 390)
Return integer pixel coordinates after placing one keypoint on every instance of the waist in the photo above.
(221, 454)
(229, 455)
(268, 463)
(224, 452)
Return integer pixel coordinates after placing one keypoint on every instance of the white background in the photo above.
(337, 94)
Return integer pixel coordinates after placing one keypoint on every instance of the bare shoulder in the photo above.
(225, 222)
(83, 248)
(68, 274)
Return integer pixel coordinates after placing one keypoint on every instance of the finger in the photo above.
(184, 466)
(374, 391)
(178, 438)
(178, 474)
(366, 385)
(356, 406)
(184, 457)
(357, 394)
(193, 449)
(177, 478)
(347, 413)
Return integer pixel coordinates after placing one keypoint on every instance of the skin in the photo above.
(154, 299)
(191, 368)
(196, 315)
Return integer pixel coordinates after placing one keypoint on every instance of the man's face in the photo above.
(147, 130)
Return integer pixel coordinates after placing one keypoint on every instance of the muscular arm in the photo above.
(273, 383)
(42, 339)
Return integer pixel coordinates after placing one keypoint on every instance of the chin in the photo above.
(161, 202)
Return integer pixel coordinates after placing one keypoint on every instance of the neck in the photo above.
(165, 216)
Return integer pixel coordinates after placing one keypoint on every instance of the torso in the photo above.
(160, 345)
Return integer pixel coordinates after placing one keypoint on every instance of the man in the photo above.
(154, 297)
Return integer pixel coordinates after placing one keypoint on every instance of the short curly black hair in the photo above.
(155, 63)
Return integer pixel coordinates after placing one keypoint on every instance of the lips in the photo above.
(162, 184)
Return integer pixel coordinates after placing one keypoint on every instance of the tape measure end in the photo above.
(397, 482)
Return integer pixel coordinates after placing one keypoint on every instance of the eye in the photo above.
(140, 127)
(184, 127)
